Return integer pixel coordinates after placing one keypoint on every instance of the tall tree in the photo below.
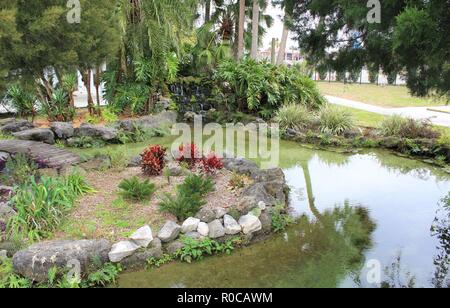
(288, 7)
(411, 38)
(255, 29)
(241, 29)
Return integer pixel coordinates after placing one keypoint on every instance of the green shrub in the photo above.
(133, 189)
(335, 121)
(18, 169)
(42, 205)
(58, 108)
(86, 142)
(294, 117)
(9, 279)
(22, 102)
(182, 206)
(105, 276)
(280, 220)
(196, 185)
(195, 250)
(78, 184)
(399, 126)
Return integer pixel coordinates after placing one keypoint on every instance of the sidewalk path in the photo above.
(417, 113)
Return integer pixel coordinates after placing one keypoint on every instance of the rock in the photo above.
(16, 126)
(266, 222)
(173, 247)
(190, 116)
(6, 121)
(175, 169)
(216, 229)
(262, 205)
(99, 163)
(391, 142)
(62, 130)
(35, 261)
(142, 237)
(6, 212)
(256, 212)
(135, 161)
(220, 212)
(4, 156)
(161, 120)
(231, 225)
(140, 257)
(48, 172)
(203, 229)
(95, 131)
(122, 250)
(190, 225)
(206, 215)
(36, 134)
(3, 254)
(169, 232)
(240, 166)
(250, 224)
(163, 104)
(195, 235)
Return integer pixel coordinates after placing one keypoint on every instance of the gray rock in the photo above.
(4, 156)
(135, 161)
(169, 232)
(266, 221)
(95, 131)
(35, 261)
(3, 255)
(62, 130)
(142, 237)
(36, 134)
(122, 250)
(231, 225)
(140, 257)
(163, 104)
(216, 229)
(250, 224)
(99, 163)
(161, 120)
(173, 247)
(206, 215)
(195, 235)
(16, 126)
(6, 212)
(203, 229)
(6, 121)
(220, 212)
(175, 169)
(190, 116)
(190, 225)
(241, 166)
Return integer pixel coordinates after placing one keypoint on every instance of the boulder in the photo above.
(190, 116)
(216, 229)
(35, 261)
(96, 131)
(206, 215)
(62, 130)
(262, 205)
(4, 156)
(195, 235)
(161, 120)
(190, 225)
(16, 126)
(135, 161)
(36, 134)
(240, 166)
(203, 229)
(122, 250)
(220, 212)
(250, 224)
(173, 247)
(6, 212)
(142, 237)
(99, 163)
(169, 232)
(3, 255)
(140, 257)
(175, 169)
(6, 121)
(266, 221)
(231, 225)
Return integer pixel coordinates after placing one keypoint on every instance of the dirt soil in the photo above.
(105, 214)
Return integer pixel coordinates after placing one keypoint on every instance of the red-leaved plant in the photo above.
(188, 153)
(153, 161)
(211, 164)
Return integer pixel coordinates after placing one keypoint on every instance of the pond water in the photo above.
(351, 208)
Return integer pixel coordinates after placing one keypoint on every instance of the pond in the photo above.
(351, 209)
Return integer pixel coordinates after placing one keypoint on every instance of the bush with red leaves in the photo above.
(188, 153)
(211, 164)
(153, 161)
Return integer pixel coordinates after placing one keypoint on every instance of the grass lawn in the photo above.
(383, 96)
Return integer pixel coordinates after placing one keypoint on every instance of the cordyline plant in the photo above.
(153, 162)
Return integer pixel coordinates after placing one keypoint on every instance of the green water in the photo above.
(352, 209)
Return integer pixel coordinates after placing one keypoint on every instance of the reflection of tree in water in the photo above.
(441, 230)
(333, 159)
(397, 277)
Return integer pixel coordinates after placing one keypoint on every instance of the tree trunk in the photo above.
(255, 30)
(240, 52)
(283, 43)
(207, 11)
(97, 83)
(87, 83)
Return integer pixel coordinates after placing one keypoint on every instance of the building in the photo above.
(291, 57)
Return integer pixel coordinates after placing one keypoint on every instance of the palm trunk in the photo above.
(207, 11)
(87, 83)
(283, 43)
(97, 82)
(255, 30)
(240, 52)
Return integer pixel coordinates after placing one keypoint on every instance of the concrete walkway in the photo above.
(417, 113)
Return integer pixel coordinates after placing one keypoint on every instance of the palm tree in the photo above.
(255, 29)
(240, 52)
(288, 6)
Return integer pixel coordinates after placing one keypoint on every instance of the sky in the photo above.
(276, 30)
